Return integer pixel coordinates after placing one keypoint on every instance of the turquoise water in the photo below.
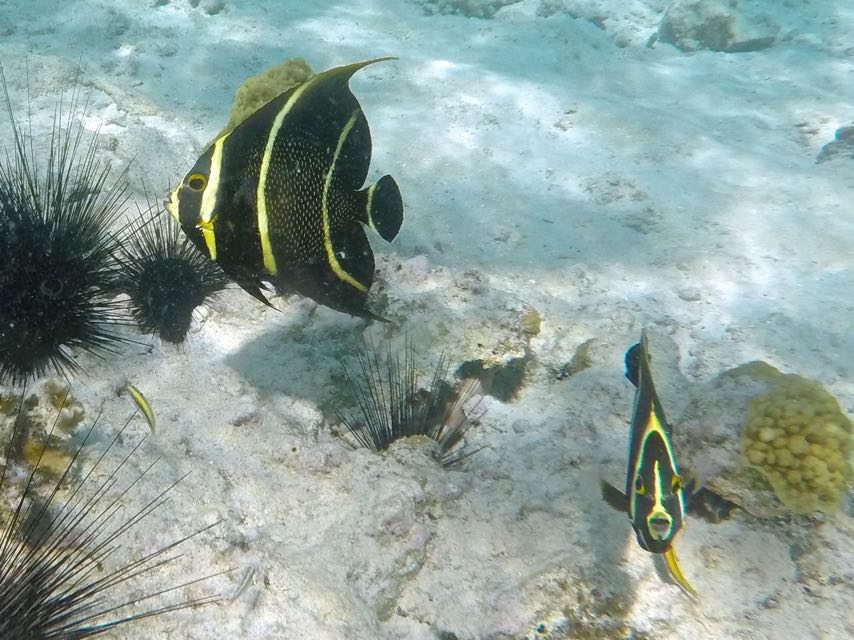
(571, 173)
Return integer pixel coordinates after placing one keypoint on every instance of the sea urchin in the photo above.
(393, 405)
(55, 248)
(165, 277)
(55, 583)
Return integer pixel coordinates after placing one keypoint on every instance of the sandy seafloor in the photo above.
(550, 160)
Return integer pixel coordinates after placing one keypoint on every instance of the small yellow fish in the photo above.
(143, 405)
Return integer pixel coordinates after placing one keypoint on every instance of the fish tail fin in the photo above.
(676, 573)
(382, 208)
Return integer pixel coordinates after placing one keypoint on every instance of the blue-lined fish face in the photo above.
(654, 497)
(656, 500)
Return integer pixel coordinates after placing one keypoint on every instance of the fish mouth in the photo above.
(660, 524)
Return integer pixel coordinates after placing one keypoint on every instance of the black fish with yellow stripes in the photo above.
(280, 197)
(655, 492)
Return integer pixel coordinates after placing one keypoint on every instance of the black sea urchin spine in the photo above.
(56, 264)
(393, 405)
(165, 277)
(52, 582)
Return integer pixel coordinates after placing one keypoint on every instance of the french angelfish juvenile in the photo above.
(655, 493)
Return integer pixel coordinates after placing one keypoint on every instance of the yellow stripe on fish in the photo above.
(208, 208)
(324, 207)
(261, 193)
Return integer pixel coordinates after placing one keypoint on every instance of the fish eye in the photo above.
(640, 489)
(675, 485)
(197, 182)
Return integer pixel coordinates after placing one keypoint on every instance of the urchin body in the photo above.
(52, 287)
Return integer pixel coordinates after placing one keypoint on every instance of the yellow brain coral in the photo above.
(797, 436)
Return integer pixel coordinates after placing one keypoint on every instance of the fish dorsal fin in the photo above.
(633, 356)
(340, 74)
(344, 72)
(638, 371)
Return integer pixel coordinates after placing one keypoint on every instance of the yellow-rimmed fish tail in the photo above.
(676, 573)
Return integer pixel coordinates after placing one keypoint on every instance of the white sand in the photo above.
(546, 163)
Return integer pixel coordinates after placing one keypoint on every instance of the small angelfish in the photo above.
(655, 492)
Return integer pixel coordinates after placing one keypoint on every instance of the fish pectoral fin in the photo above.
(253, 288)
(691, 484)
(382, 208)
(614, 497)
(676, 573)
